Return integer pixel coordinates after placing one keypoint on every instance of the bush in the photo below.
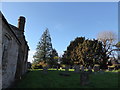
(37, 66)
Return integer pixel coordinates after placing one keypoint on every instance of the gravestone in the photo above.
(67, 68)
(96, 68)
(77, 68)
(82, 68)
(89, 69)
(45, 69)
(84, 78)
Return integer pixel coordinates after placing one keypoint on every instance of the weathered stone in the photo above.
(67, 68)
(77, 68)
(14, 52)
(84, 78)
(45, 69)
(0, 51)
(89, 69)
(82, 68)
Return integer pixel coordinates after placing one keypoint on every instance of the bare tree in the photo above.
(108, 39)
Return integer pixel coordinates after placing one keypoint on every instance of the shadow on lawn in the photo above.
(37, 79)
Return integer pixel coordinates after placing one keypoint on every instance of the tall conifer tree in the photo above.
(44, 48)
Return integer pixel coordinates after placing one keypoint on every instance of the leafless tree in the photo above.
(108, 39)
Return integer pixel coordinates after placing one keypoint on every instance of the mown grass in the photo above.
(38, 79)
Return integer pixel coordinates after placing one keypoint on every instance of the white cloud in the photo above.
(30, 55)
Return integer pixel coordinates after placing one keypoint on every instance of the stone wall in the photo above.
(14, 51)
(10, 55)
(0, 51)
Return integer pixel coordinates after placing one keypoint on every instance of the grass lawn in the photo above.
(37, 79)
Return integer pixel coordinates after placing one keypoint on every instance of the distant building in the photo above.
(14, 51)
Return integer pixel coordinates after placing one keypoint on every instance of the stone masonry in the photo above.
(0, 53)
(14, 51)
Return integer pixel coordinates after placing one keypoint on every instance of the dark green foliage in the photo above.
(86, 52)
(70, 54)
(44, 48)
(53, 58)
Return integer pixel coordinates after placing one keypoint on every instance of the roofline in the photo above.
(3, 18)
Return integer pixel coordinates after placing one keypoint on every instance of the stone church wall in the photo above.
(13, 51)
(0, 52)
(10, 55)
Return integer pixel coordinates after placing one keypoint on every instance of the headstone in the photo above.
(96, 68)
(66, 68)
(77, 68)
(45, 69)
(82, 68)
(84, 78)
(89, 69)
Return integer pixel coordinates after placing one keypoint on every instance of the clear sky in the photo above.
(65, 20)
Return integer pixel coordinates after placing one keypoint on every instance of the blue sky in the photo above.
(65, 21)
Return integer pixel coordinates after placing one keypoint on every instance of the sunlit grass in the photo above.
(37, 79)
(53, 69)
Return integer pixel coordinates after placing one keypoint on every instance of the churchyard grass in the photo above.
(37, 79)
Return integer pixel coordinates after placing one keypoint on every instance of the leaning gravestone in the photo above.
(77, 68)
(84, 78)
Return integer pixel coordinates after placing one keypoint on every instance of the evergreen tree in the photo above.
(44, 48)
(85, 52)
(70, 56)
(53, 58)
